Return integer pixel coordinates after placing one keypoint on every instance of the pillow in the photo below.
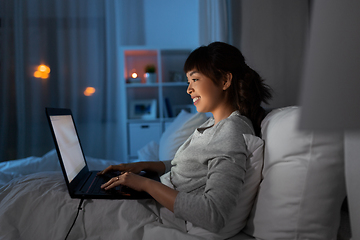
(150, 152)
(303, 183)
(178, 131)
(238, 217)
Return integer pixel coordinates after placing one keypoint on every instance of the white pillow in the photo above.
(150, 152)
(303, 183)
(178, 131)
(238, 217)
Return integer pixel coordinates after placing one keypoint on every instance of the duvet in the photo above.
(35, 204)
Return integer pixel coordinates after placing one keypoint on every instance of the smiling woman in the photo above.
(208, 96)
(208, 168)
(219, 70)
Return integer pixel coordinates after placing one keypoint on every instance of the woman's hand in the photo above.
(124, 167)
(163, 194)
(128, 179)
(136, 167)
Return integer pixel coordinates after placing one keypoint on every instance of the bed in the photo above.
(295, 190)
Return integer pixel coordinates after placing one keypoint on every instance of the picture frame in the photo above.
(143, 109)
(177, 76)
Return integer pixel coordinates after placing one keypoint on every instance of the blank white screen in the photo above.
(69, 145)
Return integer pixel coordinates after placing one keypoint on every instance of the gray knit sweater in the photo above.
(208, 170)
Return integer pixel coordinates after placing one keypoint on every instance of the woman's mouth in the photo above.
(196, 99)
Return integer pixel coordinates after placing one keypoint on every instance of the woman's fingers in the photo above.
(128, 179)
(123, 167)
(113, 182)
(111, 168)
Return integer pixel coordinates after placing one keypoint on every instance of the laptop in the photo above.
(82, 183)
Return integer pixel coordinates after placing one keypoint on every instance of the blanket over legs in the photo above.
(38, 206)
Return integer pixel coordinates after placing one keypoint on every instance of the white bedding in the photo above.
(36, 205)
(49, 162)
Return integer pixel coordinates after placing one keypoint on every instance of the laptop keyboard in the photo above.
(101, 179)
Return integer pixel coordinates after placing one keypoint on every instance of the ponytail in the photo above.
(247, 90)
(247, 94)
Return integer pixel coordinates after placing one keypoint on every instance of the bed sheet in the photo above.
(49, 162)
(35, 204)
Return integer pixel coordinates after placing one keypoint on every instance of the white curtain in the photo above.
(213, 21)
(220, 20)
(77, 40)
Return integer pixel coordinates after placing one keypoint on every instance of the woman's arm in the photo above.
(158, 167)
(211, 209)
(163, 194)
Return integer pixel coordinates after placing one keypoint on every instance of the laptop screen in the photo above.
(69, 145)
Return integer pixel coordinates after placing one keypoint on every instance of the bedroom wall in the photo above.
(171, 23)
(157, 23)
(273, 39)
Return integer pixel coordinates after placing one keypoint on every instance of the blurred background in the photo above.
(62, 53)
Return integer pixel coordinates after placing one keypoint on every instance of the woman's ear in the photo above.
(227, 81)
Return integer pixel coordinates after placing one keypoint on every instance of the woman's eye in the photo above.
(194, 80)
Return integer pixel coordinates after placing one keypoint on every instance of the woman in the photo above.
(209, 168)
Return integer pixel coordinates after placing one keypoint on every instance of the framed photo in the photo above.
(177, 77)
(143, 109)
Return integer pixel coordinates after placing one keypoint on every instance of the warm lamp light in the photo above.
(37, 74)
(89, 91)
(44, 68)
(134, 77)
(331, 84)
(42, 72)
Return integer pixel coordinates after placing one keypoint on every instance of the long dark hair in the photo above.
(247, 90)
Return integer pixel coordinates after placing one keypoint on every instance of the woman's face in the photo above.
(207, 97)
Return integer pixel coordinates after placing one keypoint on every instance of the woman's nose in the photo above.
(189, 89)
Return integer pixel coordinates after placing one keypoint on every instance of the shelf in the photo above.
(164, 84)
(174, 84)
(136, 120)
(141, 85)
(169, 91)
